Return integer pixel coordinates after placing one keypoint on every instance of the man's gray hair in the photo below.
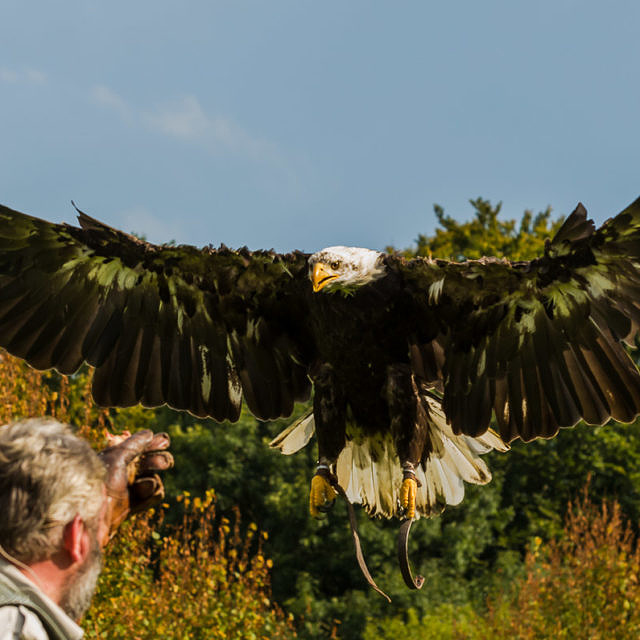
(47, 477)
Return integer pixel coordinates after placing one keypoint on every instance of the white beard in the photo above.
(81, 586)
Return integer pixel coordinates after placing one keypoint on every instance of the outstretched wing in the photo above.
(195, 329)
(540, 344)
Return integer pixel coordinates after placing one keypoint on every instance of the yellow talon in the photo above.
(408, 492)
(322, 495)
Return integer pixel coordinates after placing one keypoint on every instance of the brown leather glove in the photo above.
(132, 481)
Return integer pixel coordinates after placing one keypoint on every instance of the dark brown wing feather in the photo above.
(536, 345)
(196, 329)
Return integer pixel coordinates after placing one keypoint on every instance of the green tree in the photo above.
(486, 235)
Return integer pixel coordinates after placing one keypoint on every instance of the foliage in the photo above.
(583, 584)
(24, 392)
(203, 577)
(200, 579)
(486, 235)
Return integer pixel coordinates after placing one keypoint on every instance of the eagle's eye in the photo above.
(334, 265)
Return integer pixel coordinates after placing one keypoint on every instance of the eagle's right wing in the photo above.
(195, 329)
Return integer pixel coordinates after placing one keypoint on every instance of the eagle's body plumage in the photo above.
(410, 360)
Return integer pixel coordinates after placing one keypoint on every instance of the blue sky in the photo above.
(305, 124)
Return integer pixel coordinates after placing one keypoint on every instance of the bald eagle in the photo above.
(410, 361)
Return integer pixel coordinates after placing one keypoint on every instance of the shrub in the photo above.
(200, 579)
(583, 585)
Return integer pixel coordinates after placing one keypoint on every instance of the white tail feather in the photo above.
(295, 436)
(369, 469)
(373, 478)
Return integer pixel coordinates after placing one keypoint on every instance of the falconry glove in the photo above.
(132, 480)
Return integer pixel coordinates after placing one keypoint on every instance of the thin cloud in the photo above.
(33, 76)
(6, 75)
(25, 76)
(186, 120)
(105, 97)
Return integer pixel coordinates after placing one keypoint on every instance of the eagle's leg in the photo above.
(329, 410)
(408, 418)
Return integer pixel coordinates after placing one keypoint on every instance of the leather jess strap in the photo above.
(403, 546)
(403, 557)
(356, 540)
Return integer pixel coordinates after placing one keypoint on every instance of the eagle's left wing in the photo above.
(539, 345)
(196, 329)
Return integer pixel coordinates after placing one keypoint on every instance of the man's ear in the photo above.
(76, 540)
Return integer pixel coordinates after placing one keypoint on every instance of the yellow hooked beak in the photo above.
(322, 275)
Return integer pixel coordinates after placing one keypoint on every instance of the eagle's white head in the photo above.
(344, 268)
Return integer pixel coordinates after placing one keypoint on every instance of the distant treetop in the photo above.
(485, 235)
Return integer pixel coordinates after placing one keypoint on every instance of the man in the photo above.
(60, 503)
